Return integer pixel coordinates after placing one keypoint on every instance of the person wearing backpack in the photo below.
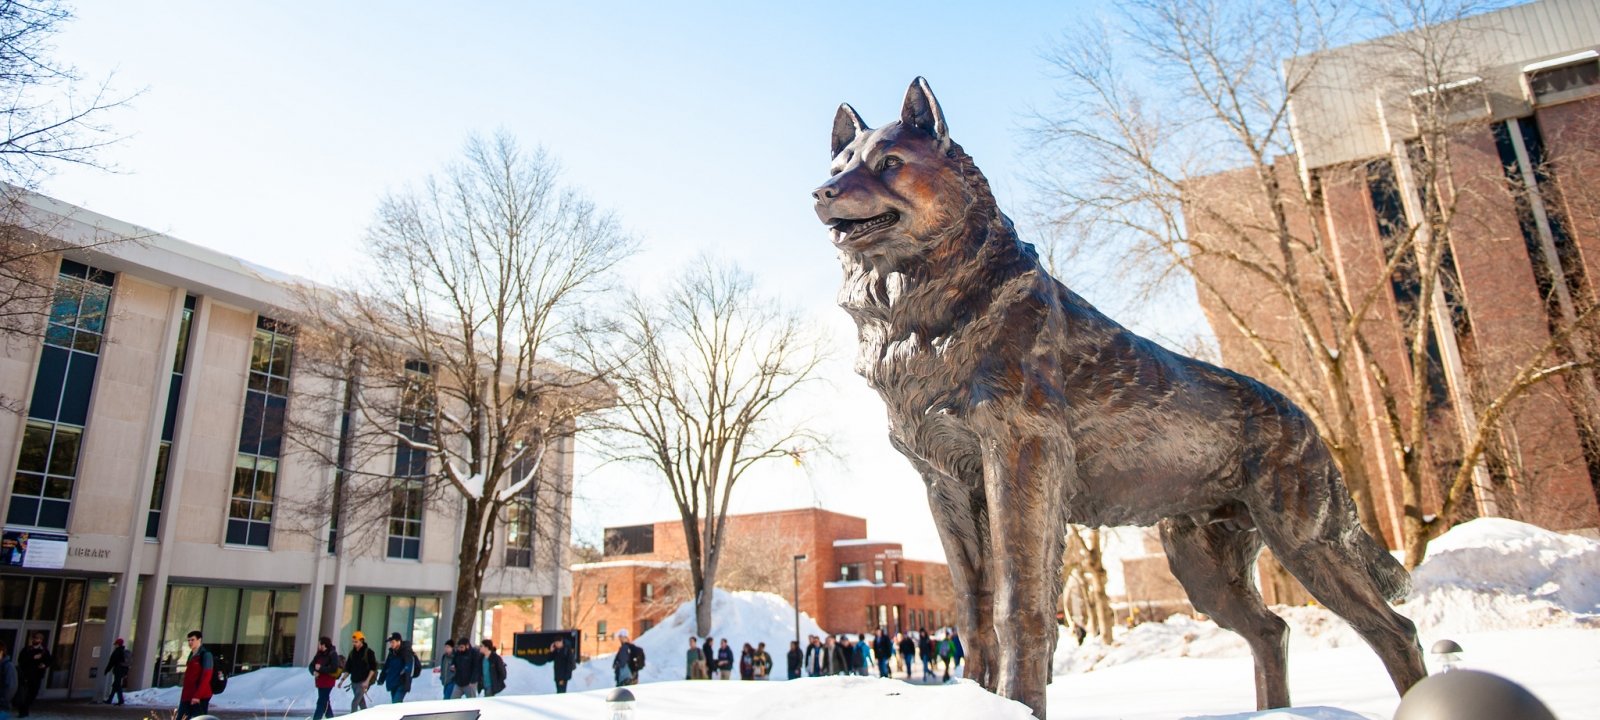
(494, 669)
(8, 681)
(399, 667)
(197, 675)
(468, 671)
(625, 666)
(325, 669)
(117, 670)
(362, 668)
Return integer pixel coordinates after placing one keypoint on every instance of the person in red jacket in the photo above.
(324, 672)
(196, 698)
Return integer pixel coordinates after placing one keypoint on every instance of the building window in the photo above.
(520, 511)
(245, 628)
(1564, 78)
(647, 592)
(180, 360)
(645, 625)
(877, 571)
(261, 435)
(411, 462)
(415, 617)
(47, 462)
(600, 630)
(850, 572)
(600, 597)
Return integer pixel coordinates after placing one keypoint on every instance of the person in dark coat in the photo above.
(955, 647)
(469, 670)
(622, 666)
(493, 679)
(814, 657)
(397, 667)
(362, 669)
(33, 667)
(908, 652)
(747, 662)
(883, 647)
(795, 658)
(925, 648)
(446, 669)
(711, 659)
(117, 670)
(725, 660)
(561, 664)
(324, 669)
(8, 680)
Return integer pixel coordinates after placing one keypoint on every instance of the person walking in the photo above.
(195, 699)
(8, 681)
(795, 659)
(494, 669)
(694, 663)
(883, 647)
(33, 668)
(946, 654)
(747, 662)
(117, 670)
(814, 657)
(908, 652)
(324, 669)
(447, 669)
(468, 672)
(361, 667)
(711, 658)
(724, 660)
(763, 662)
(398, 666)
(955, 647)
(925, 649)
(625, 666)
(561, 662)
(863, 658)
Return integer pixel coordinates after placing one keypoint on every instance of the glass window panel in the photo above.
(266, 480)
(64, 455)
(238, 532)
(64, 305)
(374, 616)
(282, 351)
(58, 488)
(99, 599)
(59, 335)
(260, 535)
(23, 511)
(171, 419)
(158, 492)
(181, 358)
(399, 616)
(52, 372)
(53, 513)
(261, 352)
(255, 624)
(272, 427)
(348, 625)
(185, 604)
(13, 596)
(87, 342)
(92, 309)
(277, 386)
(238, 509)
(35, 447)
(424, 625)
(261, 512)
(76, 390)
(28, 484)
(255, 407)
(222, 615)
(258, 382)
(46, 599)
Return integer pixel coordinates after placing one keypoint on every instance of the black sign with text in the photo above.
(535, 646)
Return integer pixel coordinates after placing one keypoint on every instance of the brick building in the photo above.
(1523, 248)
(848, 582)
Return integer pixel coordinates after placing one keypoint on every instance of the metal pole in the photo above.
(797, 560)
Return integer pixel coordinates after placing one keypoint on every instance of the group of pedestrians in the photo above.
(701, 663)
(464, 670)
(846, 656)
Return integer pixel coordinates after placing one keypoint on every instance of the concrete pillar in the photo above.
(550, 612)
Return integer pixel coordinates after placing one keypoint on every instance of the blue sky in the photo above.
(269, 131)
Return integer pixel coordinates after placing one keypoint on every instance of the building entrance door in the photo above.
(53, 607)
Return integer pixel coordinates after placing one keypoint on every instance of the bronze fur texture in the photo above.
(1024, 409)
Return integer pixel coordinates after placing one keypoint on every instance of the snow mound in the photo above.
(1486, 575)
(869, 697)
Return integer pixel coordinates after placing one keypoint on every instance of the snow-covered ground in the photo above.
(1523, 602)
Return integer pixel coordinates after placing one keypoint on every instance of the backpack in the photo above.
(219, 681)
(338, 665)
(416, 667)
(636, 659)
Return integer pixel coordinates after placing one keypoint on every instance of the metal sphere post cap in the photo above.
(1446, 646)
(1470, 695)
(619, 695)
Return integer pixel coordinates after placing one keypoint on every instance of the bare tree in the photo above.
(441, 378)
(1170, 157)
(759, 561)
(706, 372)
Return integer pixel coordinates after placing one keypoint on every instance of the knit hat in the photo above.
(118, 641)
(622, 633)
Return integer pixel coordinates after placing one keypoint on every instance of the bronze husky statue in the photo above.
(1025, 409)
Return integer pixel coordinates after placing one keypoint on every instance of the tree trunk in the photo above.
(468, 581)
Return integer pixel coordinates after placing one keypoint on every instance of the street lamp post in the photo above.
(797, 560)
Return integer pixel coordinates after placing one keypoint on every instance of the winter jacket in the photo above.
(691, 657)
(117, 663)
(926, 647)
(747, 665)
(469, 666)
(795, 658)
(562, 660)
(33, 663)
(197, 676)
(447, 668)
(623, 662)
(863, 655)
(711, 655)
(814, 659)
(908, 647)
(324, 668)
(8, 684)
(883, 646)
(725, 658)
(396, 675)
(763, 663)
(496, 680)
(955, 641)
(361, 664)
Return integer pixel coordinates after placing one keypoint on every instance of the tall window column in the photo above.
(255, 471)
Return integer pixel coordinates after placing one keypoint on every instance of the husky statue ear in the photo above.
(922, 111)
(847, 124)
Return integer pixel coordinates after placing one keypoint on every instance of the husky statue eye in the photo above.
(889, 161)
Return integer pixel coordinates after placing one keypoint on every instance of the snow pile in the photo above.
(1498, 574)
